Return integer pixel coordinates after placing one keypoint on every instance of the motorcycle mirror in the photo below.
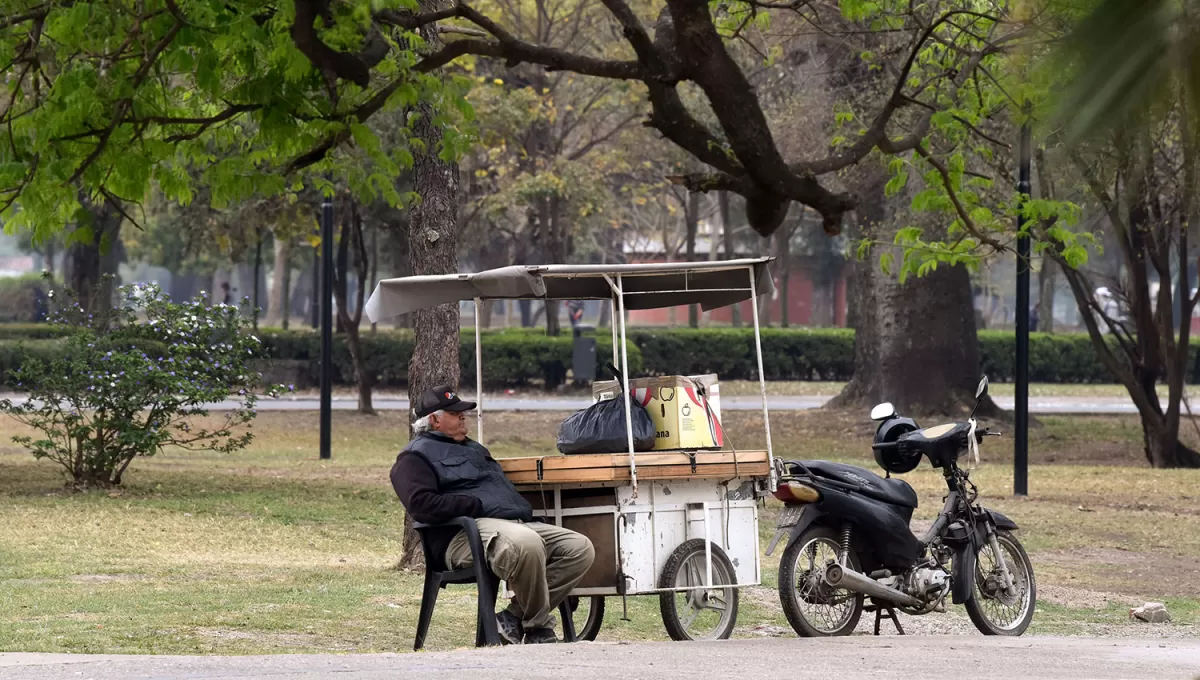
(883, 411)
(982, 390)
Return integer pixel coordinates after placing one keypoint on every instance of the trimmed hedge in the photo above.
(788, 354)
(518, 356)
(509, 358)
(14, 353)
(32, 331)
(19, 297)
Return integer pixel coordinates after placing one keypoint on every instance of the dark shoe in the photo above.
(539, 636)
(509, 626)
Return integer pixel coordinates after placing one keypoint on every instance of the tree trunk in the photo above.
(373, 279)
(486, 308)
(915, 343)
(258, 239)
(765, 248)
(433, 231)
(1047, 284)
(92, 262)
(314, 307)
(1160, 436)
(281, 273)
(50, 255)
(341, 282)
(692, 218)
(351, 235)
(783, 246)
(730, 251)
(287, 297)
(555, 244)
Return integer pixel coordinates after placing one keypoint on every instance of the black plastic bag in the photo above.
(600, 428)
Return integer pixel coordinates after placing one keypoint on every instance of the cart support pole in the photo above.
(612, 304)
(478, 374)
(762, 379)
(618, 289)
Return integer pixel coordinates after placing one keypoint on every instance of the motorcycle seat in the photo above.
(891, 491)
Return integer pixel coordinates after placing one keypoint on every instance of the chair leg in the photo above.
(568, 624)
(433, 585)
(486, 632)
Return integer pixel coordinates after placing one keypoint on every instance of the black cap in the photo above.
(440, 398)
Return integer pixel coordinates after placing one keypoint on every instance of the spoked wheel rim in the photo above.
(826, 609)
(1004, 610)
(704, 613)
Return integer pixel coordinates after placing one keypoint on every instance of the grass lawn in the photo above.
(271, 550)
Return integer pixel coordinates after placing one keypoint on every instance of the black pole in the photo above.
(326, 324)
(1021, 450)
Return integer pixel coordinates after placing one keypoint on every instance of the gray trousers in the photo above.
(541, 563)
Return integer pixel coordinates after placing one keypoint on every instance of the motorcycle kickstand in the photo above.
(891, 614)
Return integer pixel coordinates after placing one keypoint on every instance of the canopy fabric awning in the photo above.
(645, 286)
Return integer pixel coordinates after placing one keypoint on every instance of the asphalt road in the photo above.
(855, 658)
(1042, 405)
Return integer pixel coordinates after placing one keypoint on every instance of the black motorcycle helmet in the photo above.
(892, 458)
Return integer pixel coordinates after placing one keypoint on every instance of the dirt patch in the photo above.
(106, 578)
(279, 640)
(1137, 574)
(766, 598)
(1081, 598)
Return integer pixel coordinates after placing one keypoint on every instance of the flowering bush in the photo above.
(124, 387)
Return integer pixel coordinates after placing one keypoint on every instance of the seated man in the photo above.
(442, 474)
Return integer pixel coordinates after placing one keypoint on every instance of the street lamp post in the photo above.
(326, 325)
(1021, 447)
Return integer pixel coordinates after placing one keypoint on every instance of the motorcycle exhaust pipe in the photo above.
(838, 576)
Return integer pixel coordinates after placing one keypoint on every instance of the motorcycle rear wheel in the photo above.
(813, 609)
(993, 611)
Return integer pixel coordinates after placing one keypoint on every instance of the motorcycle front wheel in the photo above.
(993, 609)
(812, 607)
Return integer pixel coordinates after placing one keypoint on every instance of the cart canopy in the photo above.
(644, 286)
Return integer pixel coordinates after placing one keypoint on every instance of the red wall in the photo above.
(800, 307)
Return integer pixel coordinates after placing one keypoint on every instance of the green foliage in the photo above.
(116, 388)
(106, 99)
(961, 211)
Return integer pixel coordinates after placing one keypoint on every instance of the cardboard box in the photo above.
(684, 417)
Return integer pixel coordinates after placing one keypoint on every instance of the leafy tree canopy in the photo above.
(105, 97)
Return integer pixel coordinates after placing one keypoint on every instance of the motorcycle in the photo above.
(849, 538)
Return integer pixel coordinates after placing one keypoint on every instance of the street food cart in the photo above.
(681, 524)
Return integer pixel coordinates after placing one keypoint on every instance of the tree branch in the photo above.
(963, 215)
(123, 106)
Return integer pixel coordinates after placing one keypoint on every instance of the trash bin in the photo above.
(583, 356)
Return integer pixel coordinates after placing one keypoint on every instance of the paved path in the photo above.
(855, 658)
(1042, 405)
(393, 402)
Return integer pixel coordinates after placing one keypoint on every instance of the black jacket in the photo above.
(438, 478)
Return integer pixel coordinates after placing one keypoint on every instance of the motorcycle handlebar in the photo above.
(980, 434)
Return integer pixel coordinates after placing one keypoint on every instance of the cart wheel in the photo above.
(698, 614)
(587, 616)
